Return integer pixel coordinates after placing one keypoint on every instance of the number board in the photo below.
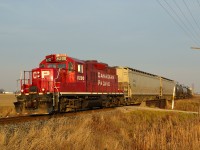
(56, 58)
(61, 58)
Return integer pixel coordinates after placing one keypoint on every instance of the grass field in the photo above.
(114, 130)
(188, 104)
(7, 99)
(6, 105)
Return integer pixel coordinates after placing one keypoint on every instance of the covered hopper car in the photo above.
(139, 86)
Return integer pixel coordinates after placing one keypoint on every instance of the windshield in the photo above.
(53, 65)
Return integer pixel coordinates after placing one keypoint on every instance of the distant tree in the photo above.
(2, 91)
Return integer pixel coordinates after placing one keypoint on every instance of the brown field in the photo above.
(7, 99)
(6, 105)
(117, 129)
(188, 104)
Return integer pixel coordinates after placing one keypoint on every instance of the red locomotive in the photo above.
(62, 83)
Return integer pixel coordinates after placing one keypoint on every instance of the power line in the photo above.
(196, 6)
(191, 14)
(183, 22)
(177, 22)
(198, 2)
(187, 20)
(196, 48)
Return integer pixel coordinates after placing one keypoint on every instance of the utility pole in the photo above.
(196, 48)
(192, 88)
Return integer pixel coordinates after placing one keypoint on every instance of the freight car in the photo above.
(182, 92)
(62, 83)
(140, 86)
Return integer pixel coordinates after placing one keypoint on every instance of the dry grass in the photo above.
(6, 105)
(192, 104)
(7, 111)
(7, 99)
(106, 130)
(117, 129)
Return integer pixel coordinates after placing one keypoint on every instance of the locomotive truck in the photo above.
(62, 83)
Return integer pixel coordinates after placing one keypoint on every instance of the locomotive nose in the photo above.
(43, 80)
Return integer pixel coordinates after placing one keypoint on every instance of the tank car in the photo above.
(189, 92)
(62, 83)
(178, 91)
(183, 91)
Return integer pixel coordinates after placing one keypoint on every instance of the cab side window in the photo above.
(62, 66)
(80, 68)
(70, 66)
(51, 66)
(42, 65)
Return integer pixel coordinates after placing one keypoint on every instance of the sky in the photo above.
(136, 33)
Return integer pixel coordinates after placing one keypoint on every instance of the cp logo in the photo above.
(45, 73)
(35, 75)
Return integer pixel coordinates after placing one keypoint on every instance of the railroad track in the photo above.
(43, 117)
(38, 117)
(20, 119)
